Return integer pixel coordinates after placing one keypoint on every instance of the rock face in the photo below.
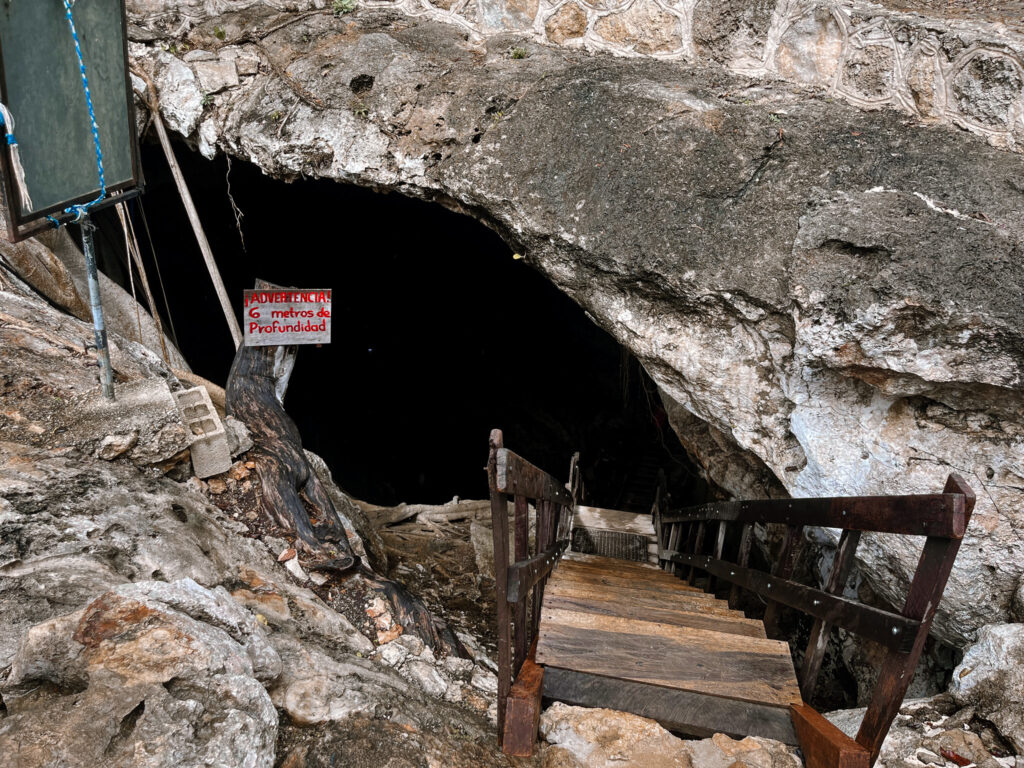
(603, 738)
(827, 297)
(145, 626)
(991, 678)
(152, 674)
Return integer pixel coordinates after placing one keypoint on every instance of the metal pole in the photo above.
(100, 331)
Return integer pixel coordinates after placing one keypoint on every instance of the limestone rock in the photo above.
(991, 678)
(603, 738)
(113, 446)
(567, 23)
(818, 322)
(141, 677)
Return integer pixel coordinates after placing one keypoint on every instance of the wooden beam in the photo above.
(892, 630)
(933, 514)
(499, 521)
(515, 474)
(695, 714)
(824, 745)
(523, 576)
(818, 643)
(522, 709)
(923, 599)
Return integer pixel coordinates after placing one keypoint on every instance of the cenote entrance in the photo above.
(430, 310)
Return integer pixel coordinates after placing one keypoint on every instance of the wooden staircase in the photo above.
(633, 637)
(598, 631)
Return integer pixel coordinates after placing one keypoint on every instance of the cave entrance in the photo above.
(430, 310)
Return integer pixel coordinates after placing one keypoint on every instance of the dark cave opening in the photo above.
(438, 335)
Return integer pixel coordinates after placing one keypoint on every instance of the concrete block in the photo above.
(210, 452)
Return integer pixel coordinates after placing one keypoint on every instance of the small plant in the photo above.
(519, 53)
(360, 110)
(207, 99)
(341, 7)
(276, 115)
(219, 33)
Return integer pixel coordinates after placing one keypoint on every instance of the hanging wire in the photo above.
(159, 276)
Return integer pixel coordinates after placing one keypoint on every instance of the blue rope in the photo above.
(79, 211)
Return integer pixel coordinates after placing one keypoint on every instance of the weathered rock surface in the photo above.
(148, 674)
(603, 738)
(145, 626)
(991, 678)
(828, 298)
(930, 732)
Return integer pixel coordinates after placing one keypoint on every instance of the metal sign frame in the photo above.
(20, 226)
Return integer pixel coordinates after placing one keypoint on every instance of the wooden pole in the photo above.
(197, 228)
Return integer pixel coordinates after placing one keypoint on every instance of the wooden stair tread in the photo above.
(714, 663)
(649, 575)
(664, 615)
(640, 599)
(631, 581)
(610, 562)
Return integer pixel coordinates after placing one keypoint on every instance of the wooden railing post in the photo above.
(788, 554)
(926, 590)
(742, 559)
(499, 522)
(840, 572)
(522, 552)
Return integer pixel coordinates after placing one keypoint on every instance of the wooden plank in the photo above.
(603, 579)
(614, 520)
(663, 615)
(742, 558)
(824, 745)
(925, 593)
(499, 521)
(581, 558)
(932, 514)
(607, 594)
(698, 545)
(523, 576)
(651, 576)
(695, 714)
(522, 552)
(522, 711)
(515, 474)
(730, 666)
(783, 569)
(818, 643)
(864, 620)
(639, 581)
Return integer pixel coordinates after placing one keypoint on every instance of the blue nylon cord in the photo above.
(80, 210)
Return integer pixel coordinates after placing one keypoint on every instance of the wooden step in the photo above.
(663, 615)
(639, 583)
(641, 600)
(582, 557)
(650, 574)
(715, 663)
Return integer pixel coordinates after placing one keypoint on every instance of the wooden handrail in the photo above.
(516, 583)
(524, 575)
(941, 518)
(518, 476)
(893, 630)
(931, 514)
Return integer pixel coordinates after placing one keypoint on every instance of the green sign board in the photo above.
(42, 88)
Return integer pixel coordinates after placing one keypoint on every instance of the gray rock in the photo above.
(112, 446)
(426, 676)
(830, 323)
(991, 678)
(132, 669)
